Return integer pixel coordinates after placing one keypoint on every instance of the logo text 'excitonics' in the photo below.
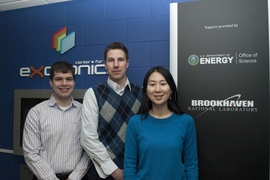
(90, 67)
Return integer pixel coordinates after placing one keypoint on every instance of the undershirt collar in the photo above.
(116, 87)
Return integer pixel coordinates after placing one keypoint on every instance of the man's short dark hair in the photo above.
(115, 45)
(62, 67)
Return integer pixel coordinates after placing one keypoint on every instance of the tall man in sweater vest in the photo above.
(107, 109)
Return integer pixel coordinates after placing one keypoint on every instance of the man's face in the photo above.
(62, 85)
(116, 65)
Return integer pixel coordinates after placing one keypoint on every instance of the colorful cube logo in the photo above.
(62, 42)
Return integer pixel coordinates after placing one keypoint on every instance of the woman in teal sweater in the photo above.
(161, 140)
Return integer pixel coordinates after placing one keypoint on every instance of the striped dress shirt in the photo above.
(51, 141)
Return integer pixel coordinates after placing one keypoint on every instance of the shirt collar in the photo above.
(116, 86)
(52, 102)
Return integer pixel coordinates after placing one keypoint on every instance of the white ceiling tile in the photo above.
(17, 4)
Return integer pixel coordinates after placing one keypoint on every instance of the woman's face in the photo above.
(158, 90)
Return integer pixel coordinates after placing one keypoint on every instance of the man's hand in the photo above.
(118, 174)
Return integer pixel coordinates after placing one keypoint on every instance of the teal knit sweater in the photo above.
(161, 149)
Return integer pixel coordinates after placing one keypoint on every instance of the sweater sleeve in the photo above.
(190, 151)
(131, 150)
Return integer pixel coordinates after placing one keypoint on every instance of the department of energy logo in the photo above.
(211, 59)
(193, 59)
(62, 42)
(230, 104)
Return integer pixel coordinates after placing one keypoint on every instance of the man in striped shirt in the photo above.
(51, 136)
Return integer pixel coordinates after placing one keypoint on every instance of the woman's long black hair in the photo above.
(146, 104)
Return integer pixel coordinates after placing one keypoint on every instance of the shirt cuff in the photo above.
(74, 176)
(108, 167)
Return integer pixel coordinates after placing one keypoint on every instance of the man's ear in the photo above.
(50, 82)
